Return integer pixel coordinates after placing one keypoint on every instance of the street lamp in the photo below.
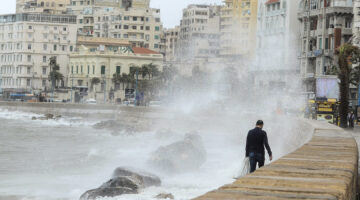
(72, 85)
(1, 82)
(104, 79)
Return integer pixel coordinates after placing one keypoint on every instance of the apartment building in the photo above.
(27, 41)
(356, 24)
(129, 20)
(325, 25)
(102, 58)
(238, 28)
(42, 6)
(276, 66)
(171, 37)
(199, 36)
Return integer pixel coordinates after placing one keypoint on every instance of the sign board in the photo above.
(327, 87)
(129, 93)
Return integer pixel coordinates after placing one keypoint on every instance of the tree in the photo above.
(145, 71)
(153, 70)
(94, 81)
(54, 75)
(117, 79)
(347, 56)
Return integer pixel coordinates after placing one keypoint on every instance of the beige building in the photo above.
(199, 36)
(171, 37)
(27, 41)
(131, 20)
(102, 58)
(238, 28)
(42, 6)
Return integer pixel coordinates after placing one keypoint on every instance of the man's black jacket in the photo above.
(255, 142)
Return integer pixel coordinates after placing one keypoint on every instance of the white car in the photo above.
(90, 101)
(155, 103)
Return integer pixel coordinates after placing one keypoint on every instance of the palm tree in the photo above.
(94, 81)
(145, 71)
(153, 70)
(56, 77)
(347, 56)
(117, 79)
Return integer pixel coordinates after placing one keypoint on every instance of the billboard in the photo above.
(327, 87)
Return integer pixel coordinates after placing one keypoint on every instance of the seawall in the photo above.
(324, 168)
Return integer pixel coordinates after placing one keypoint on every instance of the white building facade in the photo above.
(276, 50)
(27, 41)
(325, 25)
(129, 20)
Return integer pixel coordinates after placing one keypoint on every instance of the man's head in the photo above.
(260, 124)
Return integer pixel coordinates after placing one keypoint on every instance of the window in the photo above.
(93, 68)
(118, 69)
(45, 47)
(28, 81)
(77, 69)
(72, 69)
(88, 69)
(102, 70)
(147, 28)
(134, 27)
(44, 59)
(135, 18)
(326, 43)
(156, 37)
(71, 48)
(29, 46)
(30, 27)
(44, 82)
(80, 21)
(81, 69)
(29, 58)
(44, 70)
(157, 19)
(156, 46)
(126, 26)
(28, 70)
(55, 47)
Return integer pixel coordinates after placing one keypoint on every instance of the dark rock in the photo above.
(165, 196)
(116, 127)
(186, 155)
(146, 179)
(33, 118)
(124, 181)
(114, 187)
(49, 116)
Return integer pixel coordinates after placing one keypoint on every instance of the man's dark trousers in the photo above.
(256, 158)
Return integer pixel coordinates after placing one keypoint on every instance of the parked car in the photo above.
(155, 103)
(90, 101)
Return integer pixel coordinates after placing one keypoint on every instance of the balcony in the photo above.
(318, 52)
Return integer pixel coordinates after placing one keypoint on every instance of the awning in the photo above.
(272, 1)
(21, 95)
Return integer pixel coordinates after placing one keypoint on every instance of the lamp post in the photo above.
(1, 83)
(136, 85)
(104, 79)
(72, 85)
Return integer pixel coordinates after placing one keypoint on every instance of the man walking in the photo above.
(255, 142)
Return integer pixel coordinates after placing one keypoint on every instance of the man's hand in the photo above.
(270, 157)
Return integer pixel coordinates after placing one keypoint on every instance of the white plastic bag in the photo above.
(245, 168)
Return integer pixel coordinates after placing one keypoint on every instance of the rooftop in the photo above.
(38, 17)
(140, 50)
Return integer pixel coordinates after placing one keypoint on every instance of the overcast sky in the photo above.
(170, 9)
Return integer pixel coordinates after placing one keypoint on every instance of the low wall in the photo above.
(324, 168)
(84, 110)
